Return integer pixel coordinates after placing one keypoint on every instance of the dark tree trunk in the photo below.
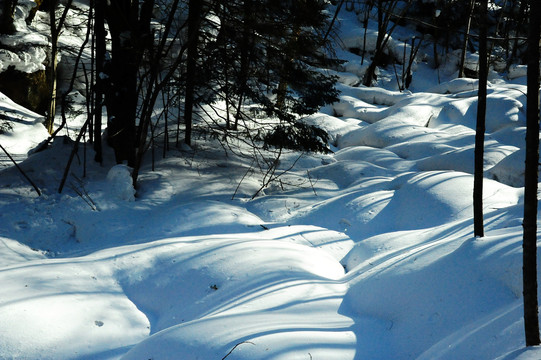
(529, 245)
(194, 21)
(244, 57)
(382, 31)
(122, 96)
(49, 122)
(465, 43)
(129, 29)
(480, 128)
(385, 11)
(99, 34)
(53, 73)
(520, 21)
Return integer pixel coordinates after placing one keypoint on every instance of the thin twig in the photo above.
(311, 184)
(21, 170)
(83, 195)
(241, 180)
(234, 347)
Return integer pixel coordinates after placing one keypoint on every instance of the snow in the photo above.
(364, 253)
(121, 183)
(26, 130)
(24, 50)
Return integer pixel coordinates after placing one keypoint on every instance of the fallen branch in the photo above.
(83, 194)
(234, 347)
(21, 171)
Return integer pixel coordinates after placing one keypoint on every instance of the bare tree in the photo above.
(480, 127)
(55, 33)
(129, 27)
(99, 88)
(466, 39)
(529, 245)
(194, 21)
(385, 13)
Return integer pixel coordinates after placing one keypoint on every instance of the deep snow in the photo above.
(366, 253)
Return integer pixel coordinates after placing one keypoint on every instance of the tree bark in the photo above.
(55, 32)
(465, 43)
(194, 21)
(245, 51)
(478, 229)
(99, 35)
(129, 37)
(384, 17)
(529, 244)
(49, 122)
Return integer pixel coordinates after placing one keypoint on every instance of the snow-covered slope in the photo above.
(366, 253)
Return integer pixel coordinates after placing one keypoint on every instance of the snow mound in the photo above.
(510, 170)
(332, 125)
(373, 95)
(20, 130)
(380, 157)
(442, 196)
(231, 290)
(449, 268)
(13, 252)
(455, 86)
(516, 71)
(121, 183)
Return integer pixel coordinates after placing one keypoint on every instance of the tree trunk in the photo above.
(529, 245)
(384, 34)
(55, 32)
(465, 44)
(49, 121)
(121, 98)
(520, 21)
(382, 31)
(194, 21)
(245, 51)
(480, 128)
(100, 38)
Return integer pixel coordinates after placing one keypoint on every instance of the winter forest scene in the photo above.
(268, 179)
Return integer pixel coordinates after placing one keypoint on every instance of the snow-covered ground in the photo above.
(365, 253)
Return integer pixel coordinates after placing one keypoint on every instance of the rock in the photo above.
(30, 90)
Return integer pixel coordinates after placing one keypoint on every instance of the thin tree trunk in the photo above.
(155, 86)
(331, 25)
(478, 228)
(99, 35)
(55, 32)
(384, 34)
(529, 245)
(194, 17)
(522, 18)
(90, 83)
(465, 44)
(380, 43)
(244, 58)
(49, 122)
